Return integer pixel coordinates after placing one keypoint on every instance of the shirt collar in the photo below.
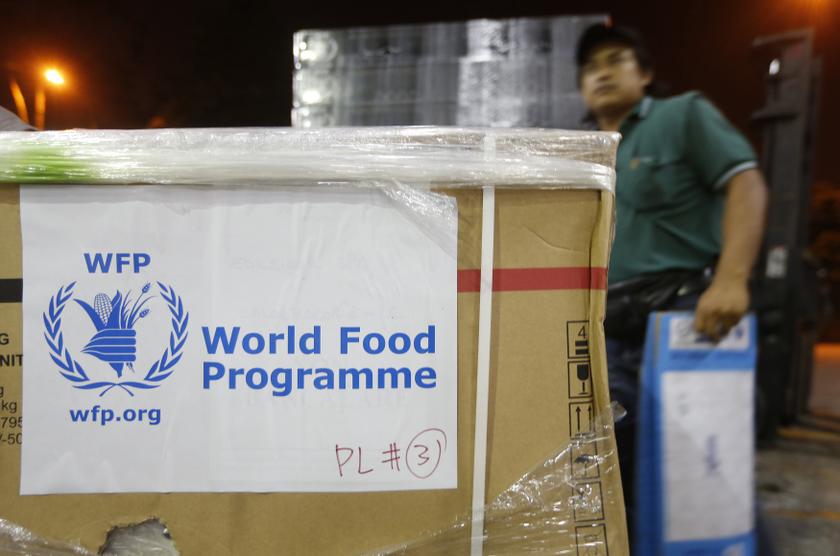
(642, 109)
(640, 112)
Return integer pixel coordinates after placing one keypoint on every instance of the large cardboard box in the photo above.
(547, 404)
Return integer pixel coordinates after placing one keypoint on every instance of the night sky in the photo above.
(228, 63)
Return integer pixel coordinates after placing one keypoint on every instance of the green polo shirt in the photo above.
(675, 157)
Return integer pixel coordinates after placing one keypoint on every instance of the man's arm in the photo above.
(727, 298)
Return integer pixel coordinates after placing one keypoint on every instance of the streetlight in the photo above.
(53, 77)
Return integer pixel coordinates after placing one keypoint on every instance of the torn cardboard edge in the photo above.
(146, 537)
(150, 536)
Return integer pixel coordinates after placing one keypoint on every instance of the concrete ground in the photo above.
(798, 477)
(798, 482)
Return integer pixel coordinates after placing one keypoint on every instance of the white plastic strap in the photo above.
(482, 388)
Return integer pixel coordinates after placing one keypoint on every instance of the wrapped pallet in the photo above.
(378, 340)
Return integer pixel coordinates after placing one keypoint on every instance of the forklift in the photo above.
(790, 295)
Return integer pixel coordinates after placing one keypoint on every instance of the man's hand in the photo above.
(721, 307)
(728, 298)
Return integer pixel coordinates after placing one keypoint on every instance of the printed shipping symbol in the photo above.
(588, 502)
(583, 375)
(577, 336)
(580, 418)
(592, 540)
(580, 379)
(584, 460)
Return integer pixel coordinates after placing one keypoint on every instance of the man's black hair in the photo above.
(600, 33)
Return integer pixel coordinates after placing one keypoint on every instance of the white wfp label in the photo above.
(247, 339)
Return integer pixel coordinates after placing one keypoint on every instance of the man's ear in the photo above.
(647, 77)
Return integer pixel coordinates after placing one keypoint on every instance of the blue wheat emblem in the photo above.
(115, 341)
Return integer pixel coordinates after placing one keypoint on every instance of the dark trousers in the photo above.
(624, 361)
(624, 364)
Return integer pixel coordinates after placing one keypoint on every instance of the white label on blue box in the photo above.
(237, 339)
(707, 421)
(683, 336)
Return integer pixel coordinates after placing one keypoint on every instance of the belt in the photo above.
(631, 301)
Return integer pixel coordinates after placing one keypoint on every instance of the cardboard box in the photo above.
(547, 370)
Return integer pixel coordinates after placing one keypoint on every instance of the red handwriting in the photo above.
(421, 456)
(425, 452)
(341, 464)
(424, 459)
(393, 458)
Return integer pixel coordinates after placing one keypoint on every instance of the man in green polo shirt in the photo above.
(690, 206)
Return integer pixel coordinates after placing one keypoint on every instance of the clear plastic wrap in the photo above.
(527, 518)
(456, 157)
(500, 73)
(538, 510)
(15, 539)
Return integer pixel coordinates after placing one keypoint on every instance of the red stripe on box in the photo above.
(535, 279)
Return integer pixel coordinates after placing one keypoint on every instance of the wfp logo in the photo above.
(114, 341)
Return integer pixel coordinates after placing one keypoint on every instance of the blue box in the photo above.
(695, 453)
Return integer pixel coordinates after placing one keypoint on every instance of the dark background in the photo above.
(228, 63)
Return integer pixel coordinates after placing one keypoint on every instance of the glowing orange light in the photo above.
(54, 76)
